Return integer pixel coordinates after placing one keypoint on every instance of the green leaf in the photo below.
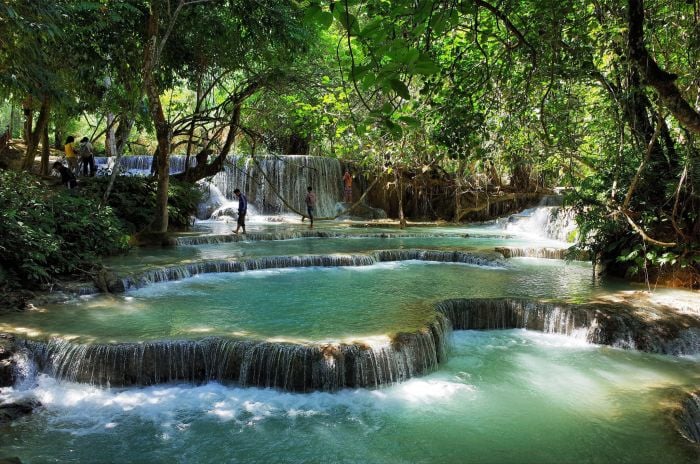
(410, 121)
(347, 19)
(400, 88)
(325, 19)
(424, 66)
(311, 14)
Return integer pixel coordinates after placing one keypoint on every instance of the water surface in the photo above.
(307, 304)
(504, 396)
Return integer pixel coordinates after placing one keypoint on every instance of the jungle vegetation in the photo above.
(599, 96)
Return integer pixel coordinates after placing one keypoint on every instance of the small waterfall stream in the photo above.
(621, 326)
(183, 271)
(547, 220)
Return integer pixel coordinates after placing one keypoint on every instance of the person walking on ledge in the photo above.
(310, 205)
(242, 211)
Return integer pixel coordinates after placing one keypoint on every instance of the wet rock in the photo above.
(361, 211)
(108, 282)
(10, 412)
(687, 418)
(13, 460)
(15, 300)
(7, 364)
(147, 238)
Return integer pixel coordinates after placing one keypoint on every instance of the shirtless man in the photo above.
(347, 187)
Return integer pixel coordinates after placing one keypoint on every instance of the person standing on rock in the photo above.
(347, 187)
(310, 201)
(242, 210)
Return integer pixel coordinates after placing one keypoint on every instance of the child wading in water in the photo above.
(310, 205)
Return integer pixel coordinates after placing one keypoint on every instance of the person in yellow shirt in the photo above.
(71, 157)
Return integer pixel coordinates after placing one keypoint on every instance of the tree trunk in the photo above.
(458, 189)
(122, 135)
(110, 139)
(399, 194)
(45, 151)
(190, 131)
(34, 135)
(28, 119)
(155, 108)
(58, 137)
(204, 169)
(10, 126)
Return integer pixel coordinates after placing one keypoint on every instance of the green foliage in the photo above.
(133, 200)
(44, 234)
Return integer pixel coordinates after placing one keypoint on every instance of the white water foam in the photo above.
(169, 406)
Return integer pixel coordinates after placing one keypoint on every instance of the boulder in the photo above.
(12, 411)
(7, 364)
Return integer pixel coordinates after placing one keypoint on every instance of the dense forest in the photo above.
(599, 97)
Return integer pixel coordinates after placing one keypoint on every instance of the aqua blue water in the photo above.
(508, 396)
(308, 304)
(150, 257)
(503, 396)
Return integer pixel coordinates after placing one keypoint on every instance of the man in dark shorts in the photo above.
(310, 205)
(242, 210)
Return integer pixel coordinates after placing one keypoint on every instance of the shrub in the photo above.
(133, 200)
(45, 233)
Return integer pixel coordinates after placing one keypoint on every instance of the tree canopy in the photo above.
(597, 96)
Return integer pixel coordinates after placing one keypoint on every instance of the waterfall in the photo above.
(542, 252)
(331, 366)
(288, 366)
(212, 200)
(618, 325)
(139, 165)
(490, 314)
(289, 175)
(478, 259)
(183, 271)
(553, 222)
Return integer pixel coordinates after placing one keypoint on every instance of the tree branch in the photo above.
(663, 82)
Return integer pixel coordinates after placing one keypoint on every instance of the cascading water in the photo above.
(140, 165)
(288, 366)
(604, 324)
(263, 179)
(183, 271)
(544, 221)
(267, 178)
